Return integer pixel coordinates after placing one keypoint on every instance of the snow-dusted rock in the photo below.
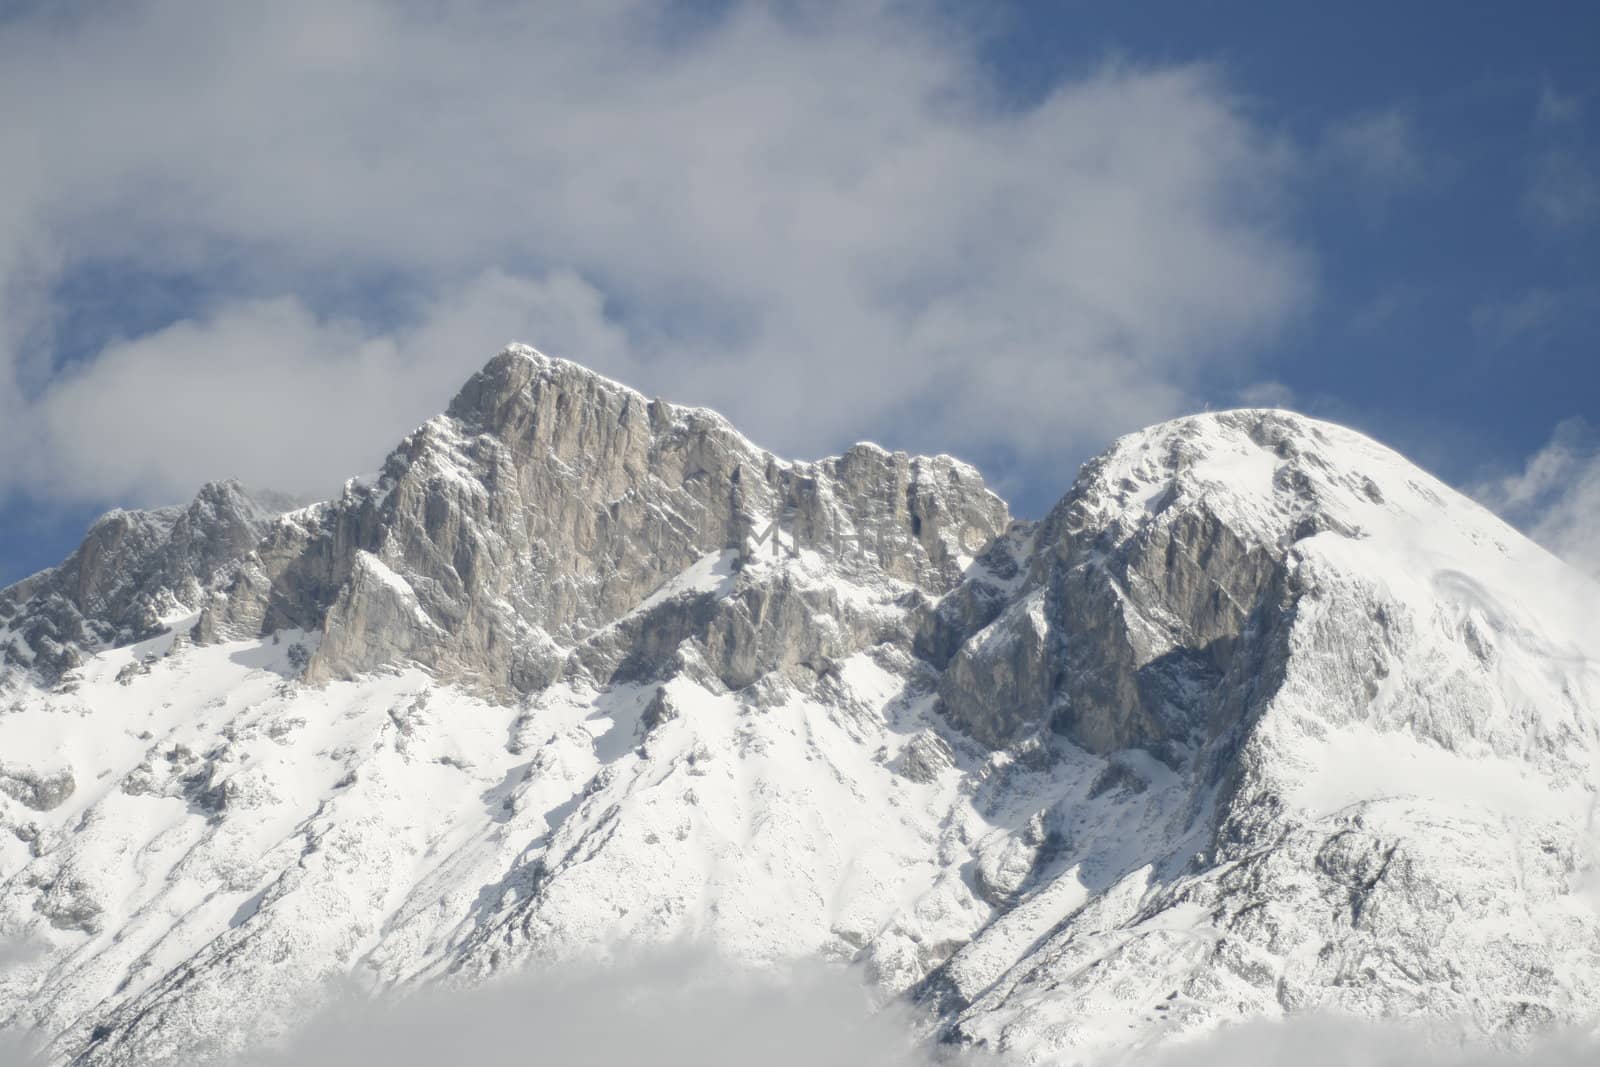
(550, 503)
(133, 568)
(1260, 719)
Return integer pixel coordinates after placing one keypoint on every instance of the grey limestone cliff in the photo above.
(133, 569)
(502, 541)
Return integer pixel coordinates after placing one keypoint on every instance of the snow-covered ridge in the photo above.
(1261, 719)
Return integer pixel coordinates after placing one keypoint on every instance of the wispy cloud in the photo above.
(1562, 195)
(1266, 395)
(825, 221)
(1555, 108)
(1378, 150)
(1556, 495)
(1525, 320)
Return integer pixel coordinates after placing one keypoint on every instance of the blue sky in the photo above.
(265, 243)
(1417, 334)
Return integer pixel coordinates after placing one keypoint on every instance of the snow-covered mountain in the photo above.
(1260, 719)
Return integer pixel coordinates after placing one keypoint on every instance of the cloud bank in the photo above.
(688, 1007)
(1323, 1041)
(672, 1009)
(270, 392)
(827, 221)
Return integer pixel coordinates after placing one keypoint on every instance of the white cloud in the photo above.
(690, 1008)
(13, 953)
(1266, 395)
(825, 222)
(275, 395)
(687, 1007)
(674, 1009)
(17, 1049)
(1555, 498)
(1329, 1041)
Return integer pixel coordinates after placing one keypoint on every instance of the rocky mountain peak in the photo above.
(549, 502)
(1259, 719)
(1273, 476)
(1157, 603)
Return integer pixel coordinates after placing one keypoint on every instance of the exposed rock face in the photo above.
(1259, 719)
(133, 568)
(41, 791)
(550, 502)
(1144, 584)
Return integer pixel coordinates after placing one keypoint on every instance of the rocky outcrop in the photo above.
(1152, 606)
(39, 790)
(133, 569)
(549, 502)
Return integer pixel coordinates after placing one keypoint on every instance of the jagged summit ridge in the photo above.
(545, 504)
(133, 569)
(549, 503)
(1258, 719)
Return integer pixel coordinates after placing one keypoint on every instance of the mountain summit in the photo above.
(1260, 719)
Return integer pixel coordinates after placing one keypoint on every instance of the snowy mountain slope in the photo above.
(1385, 704)
(1260, 719)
